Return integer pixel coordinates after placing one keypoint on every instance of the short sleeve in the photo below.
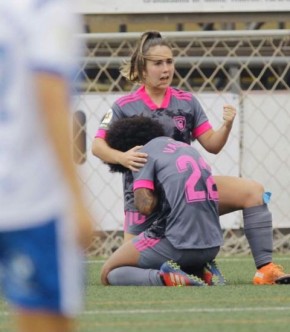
(144, 178)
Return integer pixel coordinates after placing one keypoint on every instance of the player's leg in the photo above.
(125, 255)
(237, 193)
(126, 265)
(249, 196)
(144, 261)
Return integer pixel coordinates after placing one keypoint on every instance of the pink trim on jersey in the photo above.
(101, 133)
(166, 99)
(129, 98)
(182, 95)
(146, 99)
(143, 243)
(142, 94)
(204, 127)
(148, 184)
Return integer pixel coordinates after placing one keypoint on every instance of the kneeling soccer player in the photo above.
(176, 190)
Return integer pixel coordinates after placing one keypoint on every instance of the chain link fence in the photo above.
(249, 69)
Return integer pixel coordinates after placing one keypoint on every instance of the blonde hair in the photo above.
(133, 69)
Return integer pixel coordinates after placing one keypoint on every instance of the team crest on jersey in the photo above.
(179, 122)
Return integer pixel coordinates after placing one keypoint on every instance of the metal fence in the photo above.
(250, 69)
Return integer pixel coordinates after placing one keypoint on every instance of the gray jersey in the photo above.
(187, 212)
(180, 114)
(182, 118)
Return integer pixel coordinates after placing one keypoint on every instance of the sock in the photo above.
(259, 233)
(134, 276)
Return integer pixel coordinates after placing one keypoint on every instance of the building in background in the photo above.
(184, 15)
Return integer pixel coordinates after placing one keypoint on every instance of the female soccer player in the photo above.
(183, 119)
(176, 189)
(44, 223)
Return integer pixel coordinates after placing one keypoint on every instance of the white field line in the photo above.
(222, 259)
(182, 310)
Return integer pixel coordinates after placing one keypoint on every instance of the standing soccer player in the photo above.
(44, 224)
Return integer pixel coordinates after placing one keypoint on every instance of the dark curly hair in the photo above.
(126, 133)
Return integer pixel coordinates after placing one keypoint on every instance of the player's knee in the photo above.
(255, 194)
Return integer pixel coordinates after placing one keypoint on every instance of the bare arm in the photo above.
(145, 200)
(54, 104)
(132, 159)
(214, 140)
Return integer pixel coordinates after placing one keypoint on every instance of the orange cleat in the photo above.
(271, 274)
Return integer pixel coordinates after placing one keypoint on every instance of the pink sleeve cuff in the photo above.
(143, 184)
(101, 133)
(204, 127)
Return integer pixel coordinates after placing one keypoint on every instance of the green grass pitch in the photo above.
(237, 307)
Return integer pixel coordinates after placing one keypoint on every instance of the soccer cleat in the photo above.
(271, 274)
(212, 275)
(172, 275)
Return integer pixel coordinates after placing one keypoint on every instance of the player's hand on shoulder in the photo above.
(134, 159)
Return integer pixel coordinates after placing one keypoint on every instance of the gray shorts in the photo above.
(154, 252)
